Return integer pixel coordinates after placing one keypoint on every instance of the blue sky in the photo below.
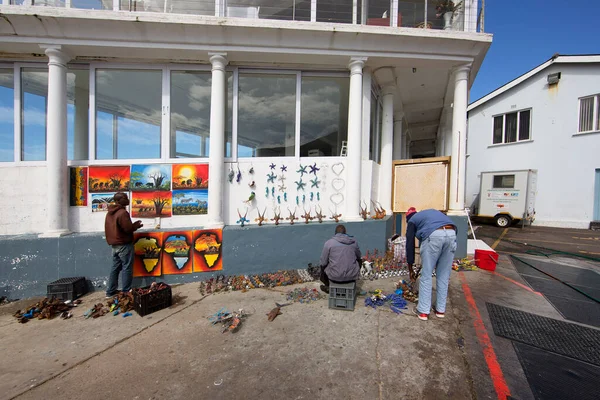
(528, 32)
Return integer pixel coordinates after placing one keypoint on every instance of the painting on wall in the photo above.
(108, 179)
(190, 176)
(177, 253)
(150, 204)
(150, 178)
(190, 202)
(147, 248)
(101, 201)
(207, 251)
(79, 186)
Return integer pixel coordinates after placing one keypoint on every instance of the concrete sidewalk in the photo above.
(308, 352)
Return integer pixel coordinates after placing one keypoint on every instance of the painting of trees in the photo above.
(190, 176)
(151, 204)
(108, 179)
(150, 178)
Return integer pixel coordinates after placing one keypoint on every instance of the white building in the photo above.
(100, 82)
(547, 120)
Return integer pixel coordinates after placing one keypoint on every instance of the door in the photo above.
(597, 197)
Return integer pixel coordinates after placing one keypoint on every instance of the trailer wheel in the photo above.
(503, 220)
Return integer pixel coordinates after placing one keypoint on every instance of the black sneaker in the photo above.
(324, 288)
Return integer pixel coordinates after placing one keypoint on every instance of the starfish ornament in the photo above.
(271, 178)
(302, 171)
(272, 166)
(314, 183)
(282, 188)
(300, 185)
(314, 169)
(283, 168)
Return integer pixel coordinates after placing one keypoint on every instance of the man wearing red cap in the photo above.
(437, 237)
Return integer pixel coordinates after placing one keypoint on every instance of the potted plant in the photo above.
(446, 9)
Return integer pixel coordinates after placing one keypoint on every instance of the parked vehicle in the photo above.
(507, 196)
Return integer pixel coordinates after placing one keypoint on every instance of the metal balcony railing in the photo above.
(425, 14)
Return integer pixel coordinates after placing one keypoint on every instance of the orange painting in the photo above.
(151, 204)
(190, 176)
(108, 179)
(177, 253)
(207, 250)
(148, 248)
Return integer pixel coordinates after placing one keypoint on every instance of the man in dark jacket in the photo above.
(340, 259)
(437, 237)
(119, 229)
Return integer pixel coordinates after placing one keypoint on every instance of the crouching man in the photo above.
(340, 259)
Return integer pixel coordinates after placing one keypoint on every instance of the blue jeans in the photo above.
(122, 260)
(437, 251)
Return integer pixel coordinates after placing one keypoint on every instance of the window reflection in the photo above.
(7, 115)
(92, 4)
(324, 115)
(267, 115)
(190, 114)
(78, 100)
(34, 93)
(128, 114)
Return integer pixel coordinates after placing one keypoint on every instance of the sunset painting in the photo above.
(177, 253)
(207, 250)
(150, 204)
(108, 179)
(190, 176)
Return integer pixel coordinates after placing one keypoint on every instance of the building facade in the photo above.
(546, 120)
(289, 107)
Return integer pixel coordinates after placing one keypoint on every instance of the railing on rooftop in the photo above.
(425, 14)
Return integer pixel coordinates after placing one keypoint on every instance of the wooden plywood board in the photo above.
(420, 185)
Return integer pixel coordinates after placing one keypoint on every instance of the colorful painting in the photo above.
(108, 179)
(150, 204)
(79, 186)
(101, 201)
(190, 202)
(147, 247)
(207, 250)
(150, 178)
(190, 176)
(177, 253)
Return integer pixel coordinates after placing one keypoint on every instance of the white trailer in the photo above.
(507, 196)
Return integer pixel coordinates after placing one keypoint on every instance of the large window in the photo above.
(323, 115)
(589, 114)
(7, 115)
(78, 100)
(190, 113)
(512, 127)
(128, 114)
(266, 115)
(34, 104)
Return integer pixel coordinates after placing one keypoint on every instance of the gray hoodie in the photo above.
(340, 258)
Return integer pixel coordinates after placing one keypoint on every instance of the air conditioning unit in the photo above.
(553, 78)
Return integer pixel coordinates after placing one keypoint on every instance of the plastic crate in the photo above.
(150, 302)
(67, 288)
(342, 296)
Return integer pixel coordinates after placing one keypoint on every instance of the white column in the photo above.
(353, 161)
(367, 79)
(82, 108)
(56, 144)
(216, 157)
(459, 142)
(398, 121)
(387, 150)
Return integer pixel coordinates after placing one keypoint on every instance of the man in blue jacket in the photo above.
(437, 237)
(340, 259)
